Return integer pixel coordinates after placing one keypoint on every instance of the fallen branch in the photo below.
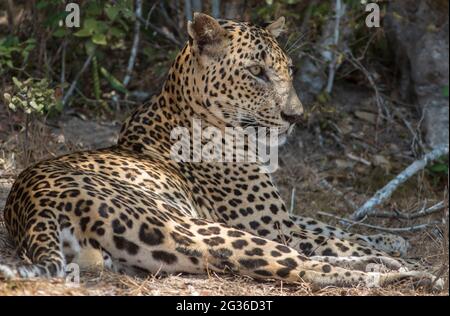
(383, 194)
(399, 215)
(409, 229)
(134, 48)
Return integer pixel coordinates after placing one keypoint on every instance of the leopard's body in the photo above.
(148, 213)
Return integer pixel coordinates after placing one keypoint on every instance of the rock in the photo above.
(419, 32)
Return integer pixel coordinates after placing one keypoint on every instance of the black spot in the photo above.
(124, 244)
(254, 252)
(283, 249)
(83, 223)
(239, 244)
(288, 262)
(259, 241)
(150, 236)
(253, 263)
(180, 239)
(283, 272)
(214, 241)
(273, 208)
(264, 273)
(235, 233)
(164, 256)
(118, 228)
(329, 252)
(326, 268)
(221, 253)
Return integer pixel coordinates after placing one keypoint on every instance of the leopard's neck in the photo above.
(178, 105)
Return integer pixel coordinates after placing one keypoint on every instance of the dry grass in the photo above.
(107, 283)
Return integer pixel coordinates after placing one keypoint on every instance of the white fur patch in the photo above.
(69, 243)
(373, 279)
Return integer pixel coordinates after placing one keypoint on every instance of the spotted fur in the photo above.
(147, 213)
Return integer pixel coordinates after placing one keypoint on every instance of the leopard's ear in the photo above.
(276, 28)
(205, 34)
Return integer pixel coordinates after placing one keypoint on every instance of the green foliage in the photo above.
(104, 23)
(104, 26)
(11, 47)
(440, 167)
(32, 96)
(445, 91)
(113, 81)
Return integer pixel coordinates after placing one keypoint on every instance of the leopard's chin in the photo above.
(283, 136)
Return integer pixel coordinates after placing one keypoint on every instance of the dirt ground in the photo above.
(342, 142)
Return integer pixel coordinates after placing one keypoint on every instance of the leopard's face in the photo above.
(242, 74)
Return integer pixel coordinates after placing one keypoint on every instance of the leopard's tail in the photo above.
(41, 247)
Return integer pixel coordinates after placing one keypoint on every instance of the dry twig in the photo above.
(384, 193)
(400, 215)
(409, 229)
(340, 10)
(77, 77)
(134, 48)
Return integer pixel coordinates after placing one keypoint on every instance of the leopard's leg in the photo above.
(393, 245)
(365, 263)
(263, 213)
(192, 245)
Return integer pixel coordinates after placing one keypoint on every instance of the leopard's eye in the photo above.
(256, 70)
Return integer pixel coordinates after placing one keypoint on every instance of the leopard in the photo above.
(146, 213)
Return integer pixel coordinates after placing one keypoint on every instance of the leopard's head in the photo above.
(239, 73)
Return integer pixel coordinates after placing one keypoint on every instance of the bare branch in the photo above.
(378, 97)
(169, 36)
(134, 48)
(339, 10)
(383, 194)
(409, 229)
(292, 205)
(400, 215)
(77, 77)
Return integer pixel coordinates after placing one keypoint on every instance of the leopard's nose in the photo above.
(293, 111)
(291, 118)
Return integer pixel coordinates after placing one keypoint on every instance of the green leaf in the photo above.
(99, 39)
(42, 4)
(90, 47)
(84, 32)
(17, 83)
(94, 8)
(116, 32)
(60, 32)
(445, 91)
(112, 12)
(439, 168)
(113, 81)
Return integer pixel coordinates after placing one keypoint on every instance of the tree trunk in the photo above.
(197, 5)
(419, 33)
(215, 8)
(188, 9)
